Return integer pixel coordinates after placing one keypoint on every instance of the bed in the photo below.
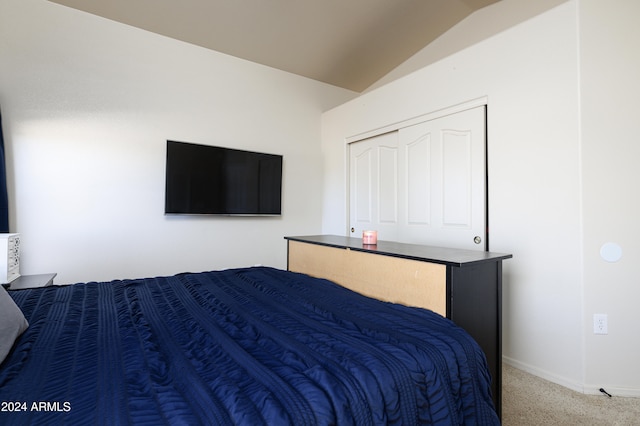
(245, 346)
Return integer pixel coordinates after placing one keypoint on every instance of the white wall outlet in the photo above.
(600, 325)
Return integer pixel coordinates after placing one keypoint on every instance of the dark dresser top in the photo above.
(442, 255)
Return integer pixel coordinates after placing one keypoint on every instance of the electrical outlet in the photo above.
(600, 324)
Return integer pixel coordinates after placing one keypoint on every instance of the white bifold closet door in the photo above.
(424, 183)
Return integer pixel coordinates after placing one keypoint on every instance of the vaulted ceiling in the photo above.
(346, 43)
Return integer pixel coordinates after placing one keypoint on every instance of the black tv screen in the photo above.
(203, 179)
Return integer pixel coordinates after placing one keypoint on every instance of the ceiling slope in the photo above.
(346, 43)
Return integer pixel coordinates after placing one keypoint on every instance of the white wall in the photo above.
(87, 106)
(529, 74)
(610, 70)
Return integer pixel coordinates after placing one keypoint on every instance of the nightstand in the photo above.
(32, 281)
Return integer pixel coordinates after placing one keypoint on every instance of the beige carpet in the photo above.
(530, 400)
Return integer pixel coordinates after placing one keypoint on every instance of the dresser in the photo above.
(462, 285)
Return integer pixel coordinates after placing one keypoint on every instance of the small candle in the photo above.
(370, 237)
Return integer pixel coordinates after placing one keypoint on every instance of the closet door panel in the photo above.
(424, 183)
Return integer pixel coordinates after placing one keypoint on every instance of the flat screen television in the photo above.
(203, 179)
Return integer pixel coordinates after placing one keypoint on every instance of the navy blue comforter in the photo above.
(245, 346)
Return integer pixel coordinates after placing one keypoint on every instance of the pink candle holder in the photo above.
(370, 237)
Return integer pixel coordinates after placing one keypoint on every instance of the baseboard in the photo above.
(611, 390)
(571, 384)
(543, 374)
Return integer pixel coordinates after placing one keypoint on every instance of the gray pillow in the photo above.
(12, 323)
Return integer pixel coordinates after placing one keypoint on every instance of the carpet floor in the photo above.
(530, 400)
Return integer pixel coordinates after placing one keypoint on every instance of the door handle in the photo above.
(477, 239)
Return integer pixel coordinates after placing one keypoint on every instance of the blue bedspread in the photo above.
(245, 346)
